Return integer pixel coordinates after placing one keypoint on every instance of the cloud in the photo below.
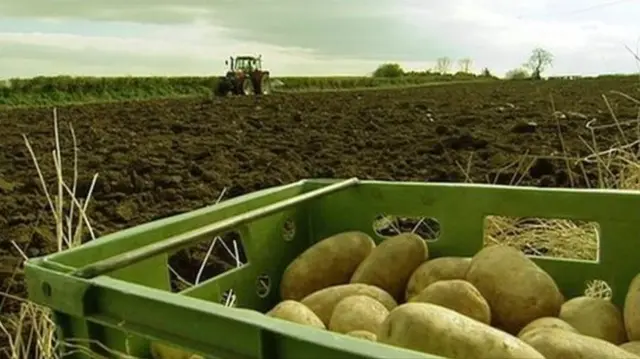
(303, 37)
(196, 49)
(501, 34)
(365, 29)
(142, 11)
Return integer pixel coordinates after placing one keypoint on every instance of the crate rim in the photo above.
(304, 184)
(45, 268)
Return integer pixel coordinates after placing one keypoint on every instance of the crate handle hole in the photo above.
(46, 289)
(263, 286)
(545, 237)
(386, 225)
(288, 230)
(598, 288)
(205, 260)
(228, 298)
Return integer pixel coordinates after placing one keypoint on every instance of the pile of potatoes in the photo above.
(496, 304)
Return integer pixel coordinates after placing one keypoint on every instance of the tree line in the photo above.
(539, 60)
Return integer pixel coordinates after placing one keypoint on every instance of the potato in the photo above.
(458, 295)
(595, 317)
(166, 351)
(556, 343)
(296, 312)
(433, 329)
(329, 262)
(517, 290)
(632, 309)
(391, 263)
(632, 347)
(358, 312)
(363, 334)
(442, 268)
(547, 322)
(324, 301)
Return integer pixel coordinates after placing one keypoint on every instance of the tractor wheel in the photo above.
(224, 88)
(247, 87)
(265, 85)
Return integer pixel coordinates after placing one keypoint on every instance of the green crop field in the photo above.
(40, 91)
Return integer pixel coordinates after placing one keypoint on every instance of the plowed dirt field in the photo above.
(160, 158)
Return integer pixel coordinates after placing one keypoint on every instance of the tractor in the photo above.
(245, 77)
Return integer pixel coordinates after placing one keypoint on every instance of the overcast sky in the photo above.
(306, 37)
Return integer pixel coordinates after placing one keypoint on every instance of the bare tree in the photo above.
(539, 60)
(465, 65)
(443, 65)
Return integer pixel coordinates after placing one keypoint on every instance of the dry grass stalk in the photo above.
(598, 289)
(31, 331)
(617, 167)
(558, 238)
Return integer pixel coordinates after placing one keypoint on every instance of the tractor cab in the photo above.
(244, 64)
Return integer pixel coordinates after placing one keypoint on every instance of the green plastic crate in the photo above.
(115, 290)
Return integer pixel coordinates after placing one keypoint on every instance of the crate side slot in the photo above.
(237, 282)
(272, 243)
(460, 211)
(145, 234)
(207, 258)
(179, 241)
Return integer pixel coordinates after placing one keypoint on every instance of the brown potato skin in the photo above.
(357, 312)
(517, 290)
(165, 351)
(632, 309)
(433, 270)
(547, 322)
(595, 317)
(324, 301)
(296, 312)
(436, 330)
(391, 263)
(328, 262)
(363, 334)
(458, 295)
(632, 347)
(556, 343)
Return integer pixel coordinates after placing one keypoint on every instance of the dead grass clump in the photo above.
(617, 168)
(30, 330)
(559, 238)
